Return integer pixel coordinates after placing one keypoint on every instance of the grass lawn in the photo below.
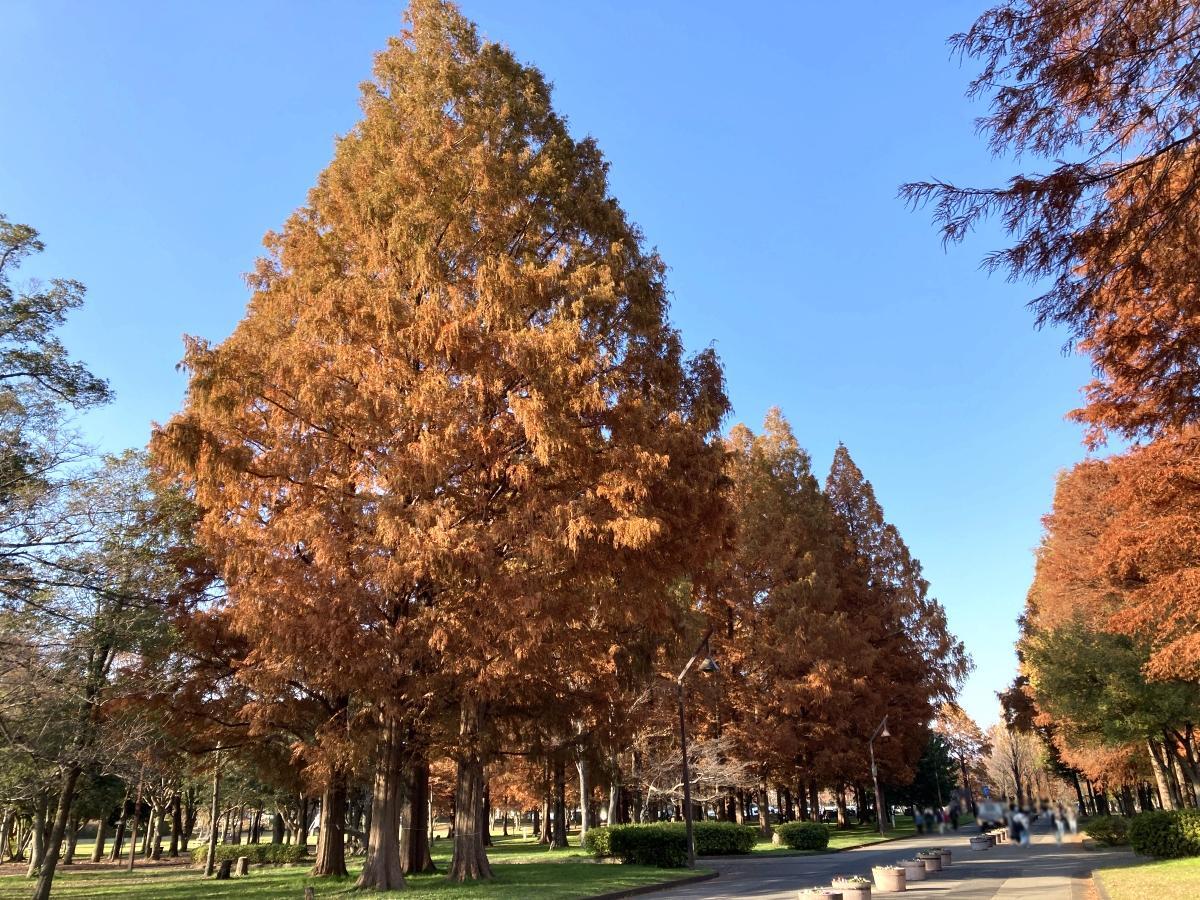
(552, 874)
(1172, 879)
(551, 880)
(853, 836)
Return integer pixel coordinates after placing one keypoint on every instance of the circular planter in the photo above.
(980, 844)
(852, 890)
(889, 878)
(914, 869)
(932, 861)
(945, 858)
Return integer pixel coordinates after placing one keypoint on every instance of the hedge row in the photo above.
(804, 835)
(1112, 831)
(259, 854)
(664, 844)
(1166, 834)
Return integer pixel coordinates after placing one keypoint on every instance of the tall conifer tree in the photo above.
(454, 435)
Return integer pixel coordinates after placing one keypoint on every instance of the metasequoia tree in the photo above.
(793, 653)
(1107, 95)
(1090, 646)
(918, 663)
(1151, 551)
(454, 439)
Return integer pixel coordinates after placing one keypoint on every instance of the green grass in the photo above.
(841, 839)
(522, 869)
(554, 881)
(1175, 879)
(515, 849)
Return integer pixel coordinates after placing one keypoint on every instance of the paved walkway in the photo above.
(1041, 871)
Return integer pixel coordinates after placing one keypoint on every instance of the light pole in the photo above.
(708, 666)
(881, 731)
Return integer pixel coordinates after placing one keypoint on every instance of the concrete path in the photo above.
(1041, 871)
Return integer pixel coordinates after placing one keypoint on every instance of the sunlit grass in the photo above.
(550, 880)
(1174, 879)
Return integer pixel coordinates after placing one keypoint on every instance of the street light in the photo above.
(880, 732)
(707, 667)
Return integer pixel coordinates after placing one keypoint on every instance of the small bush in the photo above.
(1111, 831)
(712, 838)
(662, 844)
(804, 835)
(597, 841)
(722, 838)
(259, 854)
(1166, 835)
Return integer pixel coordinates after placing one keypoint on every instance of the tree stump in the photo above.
(223, 872)
(243, 866)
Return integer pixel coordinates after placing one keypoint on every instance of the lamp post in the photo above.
(707, 667)
(881, 731)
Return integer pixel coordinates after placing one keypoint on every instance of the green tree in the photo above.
(72, 658)
(935, 778)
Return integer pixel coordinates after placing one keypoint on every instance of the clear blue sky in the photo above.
(758, 145)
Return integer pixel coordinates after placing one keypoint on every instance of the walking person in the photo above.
(1060, 823)
(1023, 825)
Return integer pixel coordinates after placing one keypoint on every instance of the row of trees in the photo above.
(1106, 94)
(1108, 642)
(435, 522)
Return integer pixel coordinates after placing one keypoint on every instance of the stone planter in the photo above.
(932, 861)
(821, 894)
(945, 858)
(980, 844)
(852, 890)
(914, 870)
(889, 878)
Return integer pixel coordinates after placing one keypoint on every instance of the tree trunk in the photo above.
(189, 818)
(37, 852)
(764, 810)
(469, 862)
(558, 831)
(585, 796)
(119, 837)
(331, 840)
(1190, 765)
(614, 792)
(302, 831)
(137, 812)
(415, 858)
(485, 817)
(176, 825)
(382, 870)
(214, 812)
(98, 849)
(72, 840)
(842, 820)
(66, 796)
(277, 827)
(1158, 766)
